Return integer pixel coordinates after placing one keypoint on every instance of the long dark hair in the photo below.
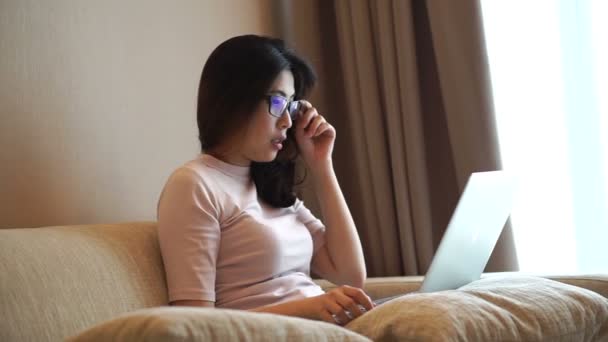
(236, 77)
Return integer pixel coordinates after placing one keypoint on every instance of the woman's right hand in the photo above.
(337, 301)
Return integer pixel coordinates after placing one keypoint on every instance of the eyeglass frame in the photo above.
(292, 115)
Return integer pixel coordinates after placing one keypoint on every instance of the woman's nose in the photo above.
(285, 120)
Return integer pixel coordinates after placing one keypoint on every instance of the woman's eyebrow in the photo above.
(282, 93)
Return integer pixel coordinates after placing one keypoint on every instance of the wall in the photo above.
(98, 98)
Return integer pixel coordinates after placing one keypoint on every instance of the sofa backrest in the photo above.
(56, 281)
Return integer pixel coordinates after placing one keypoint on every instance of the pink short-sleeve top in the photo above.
(219, 242)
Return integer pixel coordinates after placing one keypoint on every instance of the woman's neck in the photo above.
(230, 158)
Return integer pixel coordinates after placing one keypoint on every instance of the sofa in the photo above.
(106, 282)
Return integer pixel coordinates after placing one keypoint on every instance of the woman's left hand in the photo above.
(315, 136)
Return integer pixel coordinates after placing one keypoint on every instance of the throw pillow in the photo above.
(212, 324)
(500, 308)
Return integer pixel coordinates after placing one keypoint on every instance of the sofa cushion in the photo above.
(55, 281)
(212, 324)
(499, 308)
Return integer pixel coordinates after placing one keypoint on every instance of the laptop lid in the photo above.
(472, 233)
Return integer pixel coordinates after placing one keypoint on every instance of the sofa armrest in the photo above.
(597, 283)
(380, 287)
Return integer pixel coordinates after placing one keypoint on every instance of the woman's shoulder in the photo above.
(194, 172)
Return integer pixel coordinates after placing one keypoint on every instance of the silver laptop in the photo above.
(471, 234)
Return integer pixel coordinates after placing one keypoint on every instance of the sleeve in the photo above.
(189, 236)
(313, 224)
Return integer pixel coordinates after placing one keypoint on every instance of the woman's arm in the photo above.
(341, 259)
(325, 307)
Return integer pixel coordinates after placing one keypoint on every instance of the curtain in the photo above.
(409, 94)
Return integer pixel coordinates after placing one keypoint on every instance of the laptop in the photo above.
(472, 233)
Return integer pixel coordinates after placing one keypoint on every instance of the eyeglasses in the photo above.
(277, 105)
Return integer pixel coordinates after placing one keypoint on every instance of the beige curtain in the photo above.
(410, 97)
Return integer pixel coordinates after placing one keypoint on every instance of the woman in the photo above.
(232, 232)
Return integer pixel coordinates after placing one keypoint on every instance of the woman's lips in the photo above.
(277, 143)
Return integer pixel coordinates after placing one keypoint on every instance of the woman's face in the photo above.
(259, 139)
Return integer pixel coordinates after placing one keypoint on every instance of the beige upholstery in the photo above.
(58, 281)
(507, 307)
(209, 324)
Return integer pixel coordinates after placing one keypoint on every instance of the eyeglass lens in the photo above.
(278, 105)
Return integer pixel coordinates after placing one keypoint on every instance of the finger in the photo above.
(337, 310)
(350, 305)
(359, 296)
(316, 121)
(305, 103)
(327, 317)
(306, 118)
(305, 106)
(321, 129)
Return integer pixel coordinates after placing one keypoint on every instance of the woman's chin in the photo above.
(267, 158)
(272, 157)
